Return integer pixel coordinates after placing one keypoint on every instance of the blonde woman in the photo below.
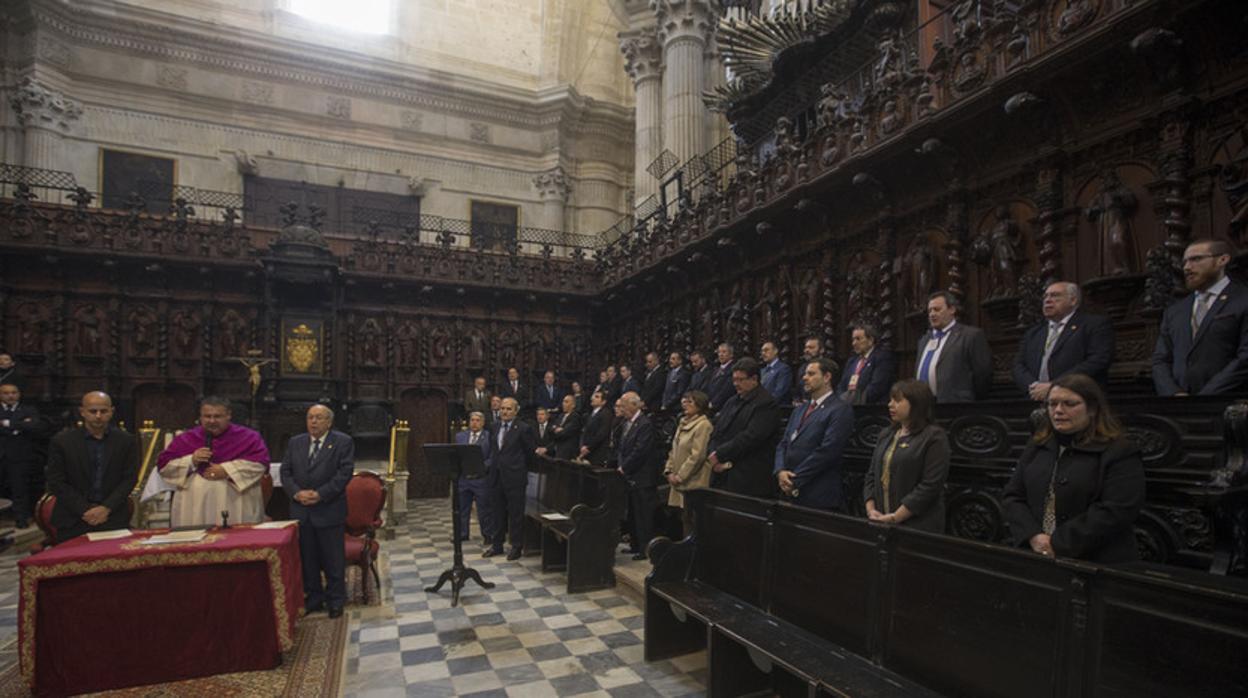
(686, 467)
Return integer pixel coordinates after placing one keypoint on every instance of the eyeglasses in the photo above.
(1198, 257)
(1068, 404)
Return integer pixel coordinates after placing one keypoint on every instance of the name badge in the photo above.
(853, 382)
(933, 344)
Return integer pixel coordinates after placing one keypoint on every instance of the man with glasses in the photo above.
(1068, 340)
(1202, 348)
(743, 444)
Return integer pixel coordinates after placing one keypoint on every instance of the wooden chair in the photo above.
(366, 497)
(43, 519)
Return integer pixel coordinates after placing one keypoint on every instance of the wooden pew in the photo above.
(793, 601)
(1182, 440)
(575, 521)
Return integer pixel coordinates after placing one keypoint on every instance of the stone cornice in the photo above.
(333, 70)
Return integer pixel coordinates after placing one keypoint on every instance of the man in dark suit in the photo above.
(777, 377)
(808, 458)
(627, 382)
(8, 370)
(597, 432)
(91, 471)
(652, 384)
(514, 446)
(743, 444)
(870, 373)
(548, 394)
(477, 487)
(676, 384)
(635, 459)
(953, 358)
(543, 432)
(567, 430)
(477, 398)
(19, 424)
(1069, 340)
(1202, 348)
(495, 413)
(700, 376)
(615, 385)
(720, 389)
(514, 388)
(315, 471)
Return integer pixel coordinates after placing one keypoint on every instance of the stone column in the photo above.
(553, 187)
(643, 60)
(685, 27)
(45, 116)
(716, 76)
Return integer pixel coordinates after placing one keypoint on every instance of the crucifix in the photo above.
(252, 362)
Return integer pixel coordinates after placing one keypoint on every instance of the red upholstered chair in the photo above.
(266, 488)
(43, 519)
(366, 497)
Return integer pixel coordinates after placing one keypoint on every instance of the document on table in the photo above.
(175, 537)
(109, 535)
(554, 517)
(276, 524)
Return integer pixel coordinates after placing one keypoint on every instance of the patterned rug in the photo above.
(311, 669)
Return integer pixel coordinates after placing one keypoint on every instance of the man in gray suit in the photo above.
(315, 472)
(477, 399)
(953, 358)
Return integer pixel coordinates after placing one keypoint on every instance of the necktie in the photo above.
(550, 390)
(502, 434)
(478, 394)
(810, 407)
(1055, 331)
(862, 361)
(316, 448)
(472, 438)
(1049, 522)
(624, 432)
(926, 366)
(1199, 309)
(514, 389)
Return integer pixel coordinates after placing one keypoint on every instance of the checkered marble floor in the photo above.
(525, 637)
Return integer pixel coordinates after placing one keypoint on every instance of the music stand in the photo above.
(455, 461)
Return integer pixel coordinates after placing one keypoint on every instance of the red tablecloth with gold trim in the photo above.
(108, 614)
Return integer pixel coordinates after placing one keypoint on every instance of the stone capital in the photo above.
(553, 185)
(40, 106)
(694, 20)
(643, 54)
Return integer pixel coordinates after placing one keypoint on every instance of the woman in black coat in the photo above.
(1079, 484)
(906, 483)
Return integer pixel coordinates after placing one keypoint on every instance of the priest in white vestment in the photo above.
(215, 467)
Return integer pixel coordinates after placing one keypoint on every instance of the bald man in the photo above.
(315, 472)
(91, 471)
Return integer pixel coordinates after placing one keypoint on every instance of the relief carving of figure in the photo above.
(828, 110)
(858, 281)
(31, 325)
(734, 316)
(440, 345)
(890, 118)
(1112, 210)
(370, 344)
(233, 334)
(810, 299)
(185, 330)
(509, 347)
(765, 311)
(142, 334)
(1076, 14)
(998, 248)
(475, 342)
(407, 344)
(922, 266)
(89, 336)
(706, 324)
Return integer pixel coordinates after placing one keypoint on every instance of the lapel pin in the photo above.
(1073, 328)
(1222, 297)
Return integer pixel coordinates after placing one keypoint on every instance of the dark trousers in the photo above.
(509, 511)
(642, 501)
(322, 550)
(14, 481)
(476, 490)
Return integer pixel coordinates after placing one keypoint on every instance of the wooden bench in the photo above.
(792, 601)
(575, 521)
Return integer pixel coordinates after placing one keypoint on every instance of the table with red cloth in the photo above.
(108, 614)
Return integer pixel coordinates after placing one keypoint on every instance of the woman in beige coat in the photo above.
(686, 467)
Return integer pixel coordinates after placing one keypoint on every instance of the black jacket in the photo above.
(328, 474)
(1086, 345)
(513, 459)
(1099, 492)
(1216, 359)
(916, 479)
(745, 434)
(635, 453)
(597, 434)
(567, 435)
(70, 477)
(720, 389)
(652, 388)
(17, 441)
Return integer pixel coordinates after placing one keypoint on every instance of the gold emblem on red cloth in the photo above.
(301, 348)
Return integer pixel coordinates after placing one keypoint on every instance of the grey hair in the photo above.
(476, 413)
(324, 407)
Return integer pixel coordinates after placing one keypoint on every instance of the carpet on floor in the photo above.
(311, 669)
